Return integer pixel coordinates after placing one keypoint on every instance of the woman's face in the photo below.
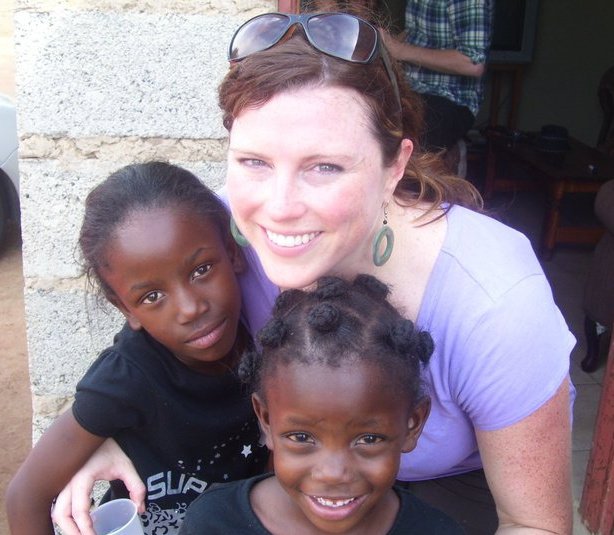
(307, 184)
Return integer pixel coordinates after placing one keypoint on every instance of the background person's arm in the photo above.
(449, 61)
(528, 468)
(58, 454)
(462, 51)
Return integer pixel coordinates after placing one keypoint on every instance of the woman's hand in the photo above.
(71, 511)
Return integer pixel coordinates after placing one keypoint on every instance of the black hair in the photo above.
(141, 187)
(341, 322)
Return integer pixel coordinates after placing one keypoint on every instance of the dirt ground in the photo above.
(15, 399)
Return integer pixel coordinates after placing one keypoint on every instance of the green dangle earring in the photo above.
(236, 233)
(385, 233)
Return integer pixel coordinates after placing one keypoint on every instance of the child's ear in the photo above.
(415, 424)
(134, 323)
(262, 412)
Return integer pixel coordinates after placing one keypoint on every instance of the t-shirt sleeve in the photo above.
(471, 22)
(113, 395)
(520, 348)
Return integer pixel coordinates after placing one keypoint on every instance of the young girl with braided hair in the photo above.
(339, 397)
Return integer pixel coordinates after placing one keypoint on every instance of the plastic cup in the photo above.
(117, 517)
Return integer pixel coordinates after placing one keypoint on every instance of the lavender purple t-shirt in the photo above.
(501, 344)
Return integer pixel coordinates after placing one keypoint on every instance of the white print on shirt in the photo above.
(161, 484)
(169, 483)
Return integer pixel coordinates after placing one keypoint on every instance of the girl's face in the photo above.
(173, 275)
(307, 184)
(336, 456)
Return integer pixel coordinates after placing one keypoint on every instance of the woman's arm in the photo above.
(108, 463)
(528, 468)
(59, 453)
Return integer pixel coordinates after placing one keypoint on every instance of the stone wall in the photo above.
(100, 84)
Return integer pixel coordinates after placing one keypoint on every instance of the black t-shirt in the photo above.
(182, 430)
(226, 509)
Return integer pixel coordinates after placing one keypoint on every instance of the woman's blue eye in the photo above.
(252, 162)
(328, 168)
(152, 297)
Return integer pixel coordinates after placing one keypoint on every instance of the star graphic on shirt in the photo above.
(247, 450)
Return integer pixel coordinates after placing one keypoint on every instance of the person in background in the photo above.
(444, 50)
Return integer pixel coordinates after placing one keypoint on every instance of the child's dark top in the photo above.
(226, 509)
(182, 430)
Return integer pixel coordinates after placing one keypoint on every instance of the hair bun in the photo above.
(426, 346)
(330, 287)
(324, 317)
(273, 333)
(372, 286)
(407, 340)
(402, 336)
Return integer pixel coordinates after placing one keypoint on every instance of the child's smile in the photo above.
(173, 276)
(337, 455)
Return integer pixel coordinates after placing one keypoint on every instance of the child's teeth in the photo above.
(333, 503)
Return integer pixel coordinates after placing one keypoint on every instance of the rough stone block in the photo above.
(95, 73)
(66, 331)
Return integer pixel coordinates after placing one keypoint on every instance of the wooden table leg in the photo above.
(552, 218)
(597, 504)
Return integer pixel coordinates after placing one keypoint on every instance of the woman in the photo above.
(335, 184)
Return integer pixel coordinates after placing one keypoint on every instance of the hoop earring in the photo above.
(236, 234)
(387, 234)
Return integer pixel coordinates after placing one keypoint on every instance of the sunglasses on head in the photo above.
(339, 35)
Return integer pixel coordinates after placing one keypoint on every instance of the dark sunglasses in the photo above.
(340, 35)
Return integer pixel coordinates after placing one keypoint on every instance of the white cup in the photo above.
(117, 517)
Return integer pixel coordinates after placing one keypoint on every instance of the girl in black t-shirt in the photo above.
(159, 245)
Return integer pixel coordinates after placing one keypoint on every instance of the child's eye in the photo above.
(369, 439)
(201, 270)
(152, 297)
(299, 437)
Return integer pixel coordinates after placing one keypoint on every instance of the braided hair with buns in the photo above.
(336, 323)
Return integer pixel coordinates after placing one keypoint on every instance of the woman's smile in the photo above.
(291, 240)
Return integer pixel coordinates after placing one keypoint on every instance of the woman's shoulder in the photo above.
(480, 250)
